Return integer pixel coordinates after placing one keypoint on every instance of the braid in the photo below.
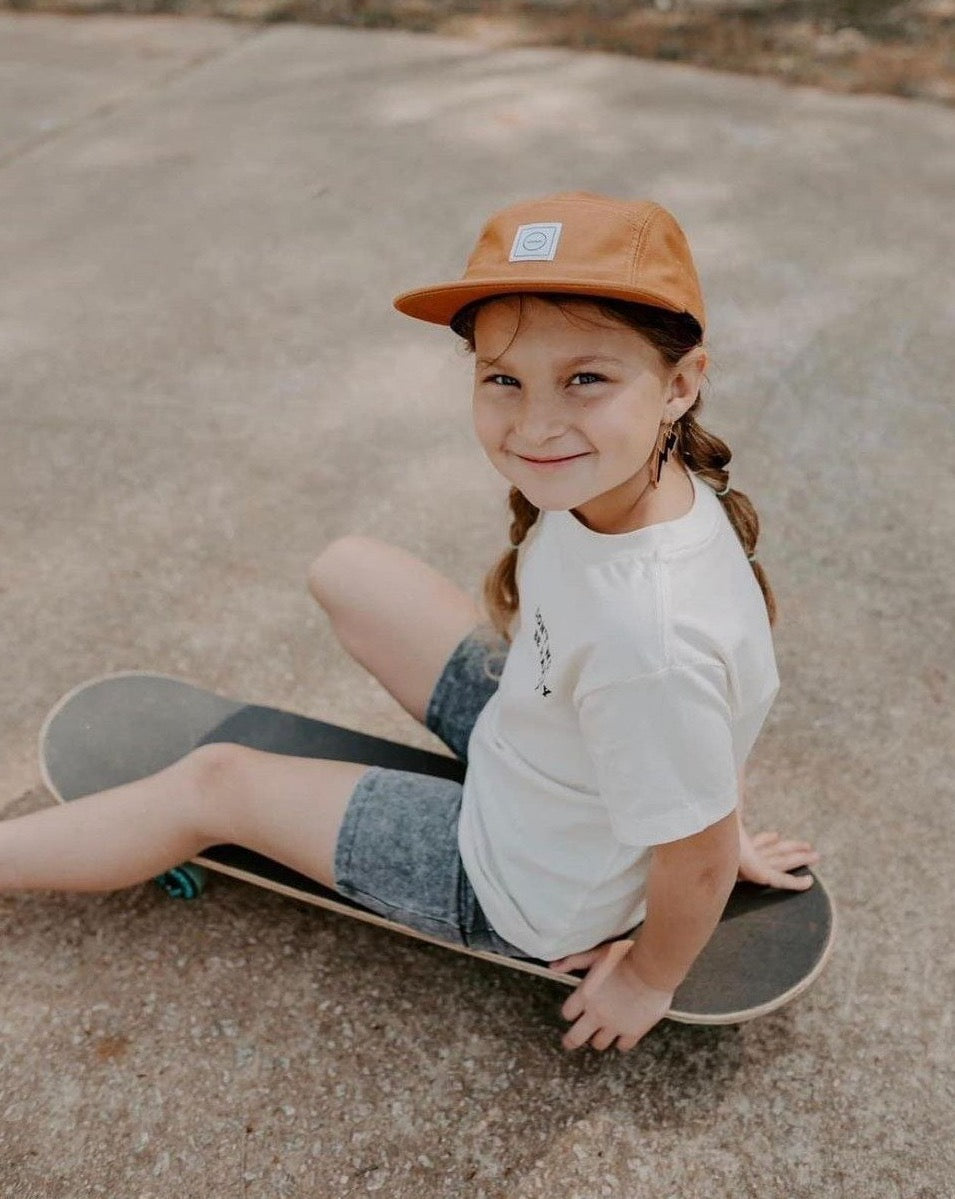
(500, 585)
(708, 456)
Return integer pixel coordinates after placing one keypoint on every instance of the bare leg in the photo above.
(287, 808)
(394, 614)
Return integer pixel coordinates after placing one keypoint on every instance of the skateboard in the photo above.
(769, 947)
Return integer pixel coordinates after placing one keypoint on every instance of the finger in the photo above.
(576, 961)
(609, 958)
(789, 882)
(626, 1043)
(791, 861)
(603, 1039)
(762, 839)
(573, 1006)
(791, 847)
(581, 1033)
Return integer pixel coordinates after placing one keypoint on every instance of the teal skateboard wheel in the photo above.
(183, 882)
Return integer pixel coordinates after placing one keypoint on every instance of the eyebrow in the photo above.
(564, 365)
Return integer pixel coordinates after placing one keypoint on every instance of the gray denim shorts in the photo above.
(397, 851)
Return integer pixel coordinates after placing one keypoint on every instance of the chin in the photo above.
(551, 503)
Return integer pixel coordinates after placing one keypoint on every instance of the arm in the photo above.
(630, 984)
(662, 749)
(689, 883)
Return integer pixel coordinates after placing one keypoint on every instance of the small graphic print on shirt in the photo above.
(542, 641)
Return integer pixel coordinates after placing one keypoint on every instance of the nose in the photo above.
(538, 419)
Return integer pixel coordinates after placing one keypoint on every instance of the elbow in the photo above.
(708, 860)
(720, 868)
(717, 877)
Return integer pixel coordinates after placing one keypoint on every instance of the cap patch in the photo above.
(536, 243)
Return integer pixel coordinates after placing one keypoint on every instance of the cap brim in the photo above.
(439, 303)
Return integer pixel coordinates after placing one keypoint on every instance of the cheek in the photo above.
(488, 425)
(629, 434)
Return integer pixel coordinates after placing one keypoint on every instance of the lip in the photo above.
(551, 463)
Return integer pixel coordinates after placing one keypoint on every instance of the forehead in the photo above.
(515, 325)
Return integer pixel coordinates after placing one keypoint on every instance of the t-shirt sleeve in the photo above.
(662, 749)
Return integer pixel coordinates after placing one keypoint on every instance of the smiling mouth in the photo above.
(550, 461)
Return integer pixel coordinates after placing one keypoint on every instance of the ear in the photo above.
(684, 384)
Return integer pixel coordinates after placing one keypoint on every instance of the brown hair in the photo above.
(673, 334)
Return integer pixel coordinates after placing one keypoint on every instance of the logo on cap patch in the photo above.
(536, 243)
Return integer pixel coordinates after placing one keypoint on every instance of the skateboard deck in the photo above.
(769, 946)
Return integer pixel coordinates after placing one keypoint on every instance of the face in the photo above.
(569, 408)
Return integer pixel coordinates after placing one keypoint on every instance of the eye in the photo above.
(589, 377)
(497, 379)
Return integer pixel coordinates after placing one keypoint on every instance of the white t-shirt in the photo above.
(638, 678)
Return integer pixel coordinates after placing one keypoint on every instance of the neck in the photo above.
(637, 503)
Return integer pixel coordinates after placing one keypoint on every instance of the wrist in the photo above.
(654, 976)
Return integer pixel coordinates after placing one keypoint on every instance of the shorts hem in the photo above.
(393, 912)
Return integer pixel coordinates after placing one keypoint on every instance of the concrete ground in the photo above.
(203, 382)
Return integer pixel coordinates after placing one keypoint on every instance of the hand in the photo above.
(612, 1002)
(766, 858)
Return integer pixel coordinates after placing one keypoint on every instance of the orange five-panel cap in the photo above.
(578, 243)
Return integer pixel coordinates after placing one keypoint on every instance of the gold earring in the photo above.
(666, 440)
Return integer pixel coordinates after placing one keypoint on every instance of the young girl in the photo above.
(605, 761)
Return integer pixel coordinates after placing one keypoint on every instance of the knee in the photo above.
(217, 773)
(216, 770)
(329, 574)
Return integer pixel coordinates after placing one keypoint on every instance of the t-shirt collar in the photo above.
(666, 537)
